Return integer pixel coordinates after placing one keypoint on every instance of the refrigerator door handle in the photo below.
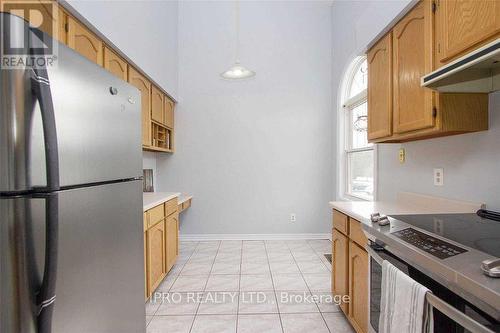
(41, 90)
(47, 294)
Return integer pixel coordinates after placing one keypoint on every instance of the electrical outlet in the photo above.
(293, 217)
(402, 155)
(438, 177)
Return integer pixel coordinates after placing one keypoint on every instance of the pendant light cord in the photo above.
(237, 21)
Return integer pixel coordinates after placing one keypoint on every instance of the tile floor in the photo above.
(247, 287)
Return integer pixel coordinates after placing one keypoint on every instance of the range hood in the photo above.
(478, 71)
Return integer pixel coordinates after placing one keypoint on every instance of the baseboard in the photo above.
(209, 237)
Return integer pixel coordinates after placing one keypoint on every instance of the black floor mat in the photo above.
(328, 257)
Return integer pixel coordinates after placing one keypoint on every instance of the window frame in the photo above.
(347, 104)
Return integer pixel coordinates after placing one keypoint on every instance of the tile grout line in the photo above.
(239, 287)
(206, 282)
(274, 288)
(308, 288)
(321, 313)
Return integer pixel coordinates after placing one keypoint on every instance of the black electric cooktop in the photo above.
(467, 229)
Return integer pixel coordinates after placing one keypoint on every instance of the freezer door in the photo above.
(98, 121)
(100, 261)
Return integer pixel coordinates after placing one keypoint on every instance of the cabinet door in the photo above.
(156, 255)
(84, 41)
(144, 86)
(169, 112)
(462, 25)
(172, 239)
(157, 111)
(145, 224)
(380, 89)
(340, 268)
(412, 38)
(115, 64)
(358, 287)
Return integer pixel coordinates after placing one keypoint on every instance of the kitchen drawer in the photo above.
(186, 204)
(356, 233)
(171, 207)
(340, 222)
(156, 214)
(145, 221)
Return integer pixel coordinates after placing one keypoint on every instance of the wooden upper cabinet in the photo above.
(358, 287)
(84, 41)
(379, 59)
(462, 25)
(340, 283)
(144, 86)
(412, 43)
(115, 64)
(157, 105)
(169, 112)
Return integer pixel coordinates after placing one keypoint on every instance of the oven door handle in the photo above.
(373, 253)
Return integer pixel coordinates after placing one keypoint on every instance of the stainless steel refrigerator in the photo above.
(71, 237)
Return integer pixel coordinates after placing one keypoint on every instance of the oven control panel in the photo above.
(429, 244)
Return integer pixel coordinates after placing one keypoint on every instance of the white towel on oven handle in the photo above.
(403, 305)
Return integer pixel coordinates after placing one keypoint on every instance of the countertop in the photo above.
(462, 273)
(153, 199)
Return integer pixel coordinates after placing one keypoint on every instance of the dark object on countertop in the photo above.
(489, 214)
(147, 180)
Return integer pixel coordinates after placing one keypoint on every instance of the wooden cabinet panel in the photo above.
(358, 287)
(84, 41)
(157, 105)
(156, 266)
(169, 112)
(115, 64)
(171, 207)
(144, 86)
(172, 240)
(156, 214)
(340, 268)
(462, 25)
(412, 38)
(340, 222)
(379, 59)
(356, 232)
(145, 223)
(51, 20)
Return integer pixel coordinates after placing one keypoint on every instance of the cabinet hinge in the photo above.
(434, 112)
(434, 6)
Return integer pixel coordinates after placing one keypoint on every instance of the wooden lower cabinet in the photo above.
(340, 284)
(172, 240)
(161, 243)
(358, 287)
(157, 268)
(350, 270)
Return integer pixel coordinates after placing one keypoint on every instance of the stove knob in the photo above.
(375, 217)
(384, 220)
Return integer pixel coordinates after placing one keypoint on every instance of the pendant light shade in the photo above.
(237, 71)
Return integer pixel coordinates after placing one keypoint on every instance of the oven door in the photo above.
(453, 302)
(378, 254)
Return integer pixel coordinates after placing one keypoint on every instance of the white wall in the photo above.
(471, 162)
(253, 152)
(146, 31)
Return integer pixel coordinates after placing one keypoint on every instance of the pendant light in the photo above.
(237, 71)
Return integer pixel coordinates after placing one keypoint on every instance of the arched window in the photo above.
(358, 155)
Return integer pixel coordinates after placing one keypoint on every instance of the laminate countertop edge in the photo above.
(153, 199)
